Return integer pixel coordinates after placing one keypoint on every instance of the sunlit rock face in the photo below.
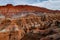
(24, 22)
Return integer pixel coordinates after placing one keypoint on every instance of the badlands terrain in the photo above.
(23, 22)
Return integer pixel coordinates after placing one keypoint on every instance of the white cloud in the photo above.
(51, 4)
(4, 2)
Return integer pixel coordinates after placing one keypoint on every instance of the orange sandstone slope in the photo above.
(19, 8)
(40, 24)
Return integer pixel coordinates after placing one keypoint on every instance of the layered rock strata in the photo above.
(24, 22)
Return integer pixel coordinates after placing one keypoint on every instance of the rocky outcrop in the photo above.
(23, 22)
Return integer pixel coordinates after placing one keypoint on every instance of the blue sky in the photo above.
(50, 4)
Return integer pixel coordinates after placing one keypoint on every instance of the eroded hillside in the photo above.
(23, 22)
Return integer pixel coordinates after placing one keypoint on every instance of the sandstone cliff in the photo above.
(23, 22)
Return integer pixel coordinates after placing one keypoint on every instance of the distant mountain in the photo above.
(18, 8)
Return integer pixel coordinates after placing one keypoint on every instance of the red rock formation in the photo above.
(23, 22)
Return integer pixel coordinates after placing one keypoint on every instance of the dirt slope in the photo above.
(23, 22)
